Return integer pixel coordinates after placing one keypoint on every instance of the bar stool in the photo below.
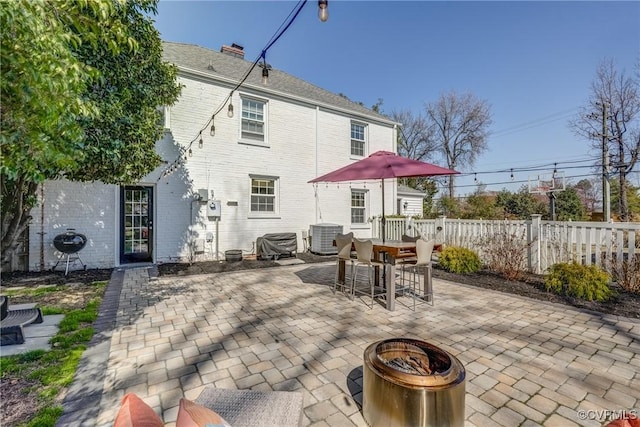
(364, 255)
(343, 243)
(422, 267)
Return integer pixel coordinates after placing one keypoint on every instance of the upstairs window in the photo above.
(253, 120)
(358, 139)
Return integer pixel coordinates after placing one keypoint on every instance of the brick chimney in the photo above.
(233, 50)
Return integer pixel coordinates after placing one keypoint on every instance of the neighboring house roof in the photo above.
(231, 69)
(403, 189)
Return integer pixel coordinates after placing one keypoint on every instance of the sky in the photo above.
(532, 62)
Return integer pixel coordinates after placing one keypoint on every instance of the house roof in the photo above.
(403, 189)
(223, 66)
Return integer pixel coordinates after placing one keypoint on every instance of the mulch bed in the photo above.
(532, 286)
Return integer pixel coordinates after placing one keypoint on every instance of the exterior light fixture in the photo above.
(230, 110)
(323, 12)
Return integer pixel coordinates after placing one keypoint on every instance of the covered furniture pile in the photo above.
(277, 245)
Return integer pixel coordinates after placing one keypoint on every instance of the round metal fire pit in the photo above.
(408, 382)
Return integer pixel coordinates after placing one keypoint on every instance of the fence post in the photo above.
(533, 244)
(440, 230)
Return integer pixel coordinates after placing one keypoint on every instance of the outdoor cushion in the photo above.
(190, 414)
(135, 413)
(253, 408)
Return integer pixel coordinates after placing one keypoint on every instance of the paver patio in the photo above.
(527, 362)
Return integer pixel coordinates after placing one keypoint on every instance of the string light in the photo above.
(265, 69)
(475, 178)
(212, 131)
(323, 12)
(512, 178)
(281, 30)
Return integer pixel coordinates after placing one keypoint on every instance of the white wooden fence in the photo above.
(546, 242)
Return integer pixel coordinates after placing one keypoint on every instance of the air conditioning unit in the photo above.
(322, 237)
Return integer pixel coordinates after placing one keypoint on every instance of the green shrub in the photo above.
(581, 281)
(460, 260)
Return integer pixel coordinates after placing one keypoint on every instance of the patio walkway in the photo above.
(527, 362)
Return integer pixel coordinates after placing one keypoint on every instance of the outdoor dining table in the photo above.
(389, 252)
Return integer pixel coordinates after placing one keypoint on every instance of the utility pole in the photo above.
(606, 196)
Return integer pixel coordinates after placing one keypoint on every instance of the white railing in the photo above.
(546, 242)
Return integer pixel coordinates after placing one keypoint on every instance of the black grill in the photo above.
(70, 242)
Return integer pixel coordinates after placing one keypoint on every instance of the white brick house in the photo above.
(256, 165)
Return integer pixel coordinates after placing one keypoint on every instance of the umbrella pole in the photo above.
(384, 221)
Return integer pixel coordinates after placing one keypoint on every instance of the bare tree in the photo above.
(415, 136)
(460, 123)
(588, 192)
(610, 122)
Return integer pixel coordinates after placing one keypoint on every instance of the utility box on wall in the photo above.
(214, 209)
(203, 195)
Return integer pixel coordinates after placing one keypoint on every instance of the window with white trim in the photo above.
(253, 120)
(358, 207)
(358, 139)
(264, 195)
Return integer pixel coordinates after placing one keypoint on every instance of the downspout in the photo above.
(315, 192)
(41, 233)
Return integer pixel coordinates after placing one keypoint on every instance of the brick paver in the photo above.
(528, 362)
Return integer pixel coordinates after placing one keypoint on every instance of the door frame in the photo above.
(124, 259)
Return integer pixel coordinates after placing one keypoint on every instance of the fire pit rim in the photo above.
(453, 375)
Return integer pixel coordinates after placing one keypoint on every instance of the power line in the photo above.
(536, 122)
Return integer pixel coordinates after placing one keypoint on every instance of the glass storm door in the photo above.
(136, 235)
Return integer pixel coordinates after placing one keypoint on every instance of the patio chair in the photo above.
(364, 256)
(343, 243)
(418, 271)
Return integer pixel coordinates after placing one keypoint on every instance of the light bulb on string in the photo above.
(512, 178)
(555, 170)
(230, 110)
(190, 153)
(323, 12)
(475, 178)
(212, 130)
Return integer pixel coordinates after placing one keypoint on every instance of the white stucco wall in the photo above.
(305, 141)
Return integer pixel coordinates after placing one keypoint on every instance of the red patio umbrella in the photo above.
(381, 165)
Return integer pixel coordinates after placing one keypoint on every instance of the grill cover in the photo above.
(275, 245)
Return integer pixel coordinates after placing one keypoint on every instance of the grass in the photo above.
(50, 372)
